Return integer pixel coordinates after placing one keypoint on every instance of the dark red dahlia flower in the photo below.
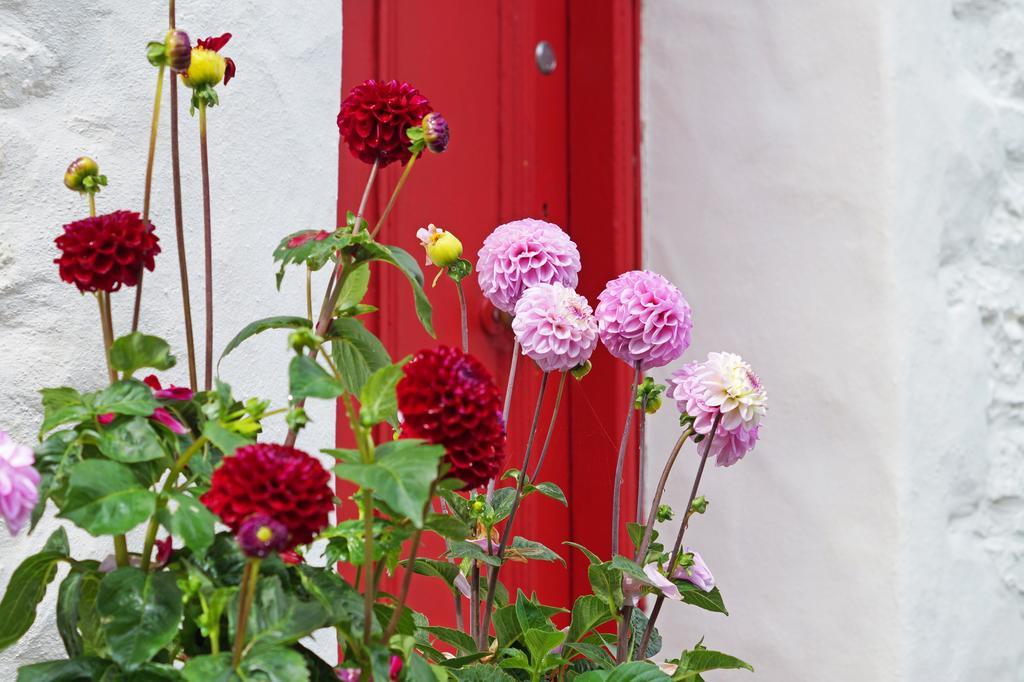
(375, 116)
(448, 398)
(106, 252)
(276, 481)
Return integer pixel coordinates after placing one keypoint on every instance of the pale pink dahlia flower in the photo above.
(643, 318)
(19, 483)
(697, 572)
(722, 384)
(522, 254)
(555, 327)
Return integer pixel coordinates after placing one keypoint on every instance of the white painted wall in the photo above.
(837, 187)
(74, 80)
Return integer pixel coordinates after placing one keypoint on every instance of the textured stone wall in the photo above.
(74, 80)
(846, 181)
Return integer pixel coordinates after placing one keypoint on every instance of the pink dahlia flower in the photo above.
(642, 317)
(697, 388)
(19, 483)
(522, 254)
(696, 571)
(555, 326)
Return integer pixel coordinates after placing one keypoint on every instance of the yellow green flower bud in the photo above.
(205, 69)
(177, 50)
(442, 247)
(80, 168)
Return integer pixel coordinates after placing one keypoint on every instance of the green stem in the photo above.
(365, 445)
(208, 246)
(551, 426)
(463, 316)
(121, 550)
(309, 293)
(147, 193)
(709, 439)
(92, 203)
(161, 500)
(492, 581)
(652, 515)
(620, 462)
(394, 195)
(247, 594)
(409, 571)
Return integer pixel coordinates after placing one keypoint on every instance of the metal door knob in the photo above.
(547, 62)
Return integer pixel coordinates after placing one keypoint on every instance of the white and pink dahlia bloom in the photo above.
(522, 254)
(555, 327)
(723, 384)
(19, 483)
(642, 317)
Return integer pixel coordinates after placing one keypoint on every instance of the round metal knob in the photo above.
(547, 62)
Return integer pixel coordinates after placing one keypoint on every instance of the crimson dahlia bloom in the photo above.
(448, 398)
(106, 252)
(374, 117)
(275, 481)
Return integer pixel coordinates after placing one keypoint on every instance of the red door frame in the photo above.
(602, 160)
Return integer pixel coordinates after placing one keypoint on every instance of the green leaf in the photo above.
(638, 671)
(471, 550)
(26, 589)
(141, 613)
(209, 669)
(68, 596)
(354, 285)
(529, 549)
(401, 476)
(531, 615)
(630, 568)
(279, 617)
(693, 595)
(457, 638)
(73, 670)
(638, 624)
(259, 326)
(606, 583)
(549, 489)
(377, 400)
(482, 673)
(692, 663)
(131, 441)
(356, 352)
(410, 268)
(594, 559)
(588, 612)
(541, 642)
(595, 653)
(447, 526)
(189, 519)
(274, 664)
(152, 672)
(129, 397)
(135, 351)
(315, 248)
(307, 379)
(105, 498)
(225, 440)
(444, 570)
(62, 406)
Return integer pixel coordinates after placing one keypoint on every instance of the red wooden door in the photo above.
(516, 151)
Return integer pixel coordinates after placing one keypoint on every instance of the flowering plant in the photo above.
(227, 582)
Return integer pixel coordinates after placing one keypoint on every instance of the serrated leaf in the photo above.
(540, 642)
(105, 498)
(470, 550)
(457, 638)
(400, 477)
(595, 653)
(136, 351)
(606, 582)
(588, 612)
(260, 326)
(129, 397)
(356, 352)
(444, 570)
(223, 438)
(141, 613)
(410, 268)
(638, 671)
(377, 399)
(130, 441)
(692, 663)
(61, 406)
(693, 595)
(307, 379)
(354, 285)
(25, 590)
(638, 624)
(529, 549)
(447, 526)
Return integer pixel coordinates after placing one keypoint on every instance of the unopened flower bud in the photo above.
(443, 248)
(83, 175)
(580, 371)
(665, 513)
(296, 418)
(301, 339)
(648, 396)
(477, 506)
(177, 50)
(261, 535)
(435, 132)
(206, 68)
(699, 505)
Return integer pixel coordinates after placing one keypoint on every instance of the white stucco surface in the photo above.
(836, 186)
(74, 80)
